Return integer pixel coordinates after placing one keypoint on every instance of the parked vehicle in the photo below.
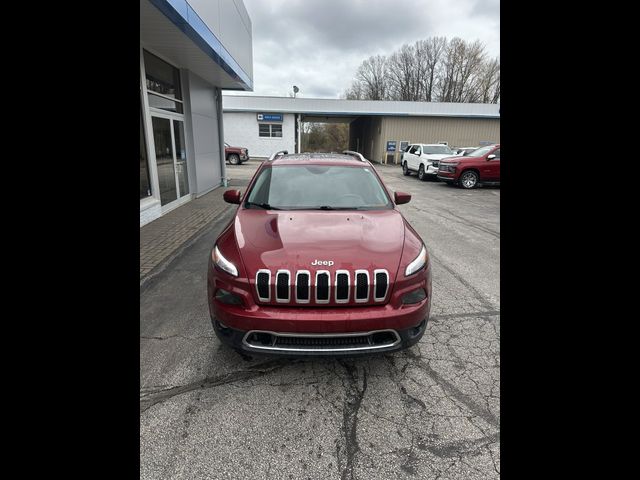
(318, 260)
(235, 155)
(480, 166)
(424, 159)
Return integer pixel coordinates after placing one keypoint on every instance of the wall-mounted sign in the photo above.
(391, 145)
(482, 143)
(403, 145)
(269, 117)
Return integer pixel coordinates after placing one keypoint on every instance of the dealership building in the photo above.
(189, 52)
(377, 129)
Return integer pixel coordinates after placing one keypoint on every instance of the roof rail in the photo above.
(278, 154)
(355, 154)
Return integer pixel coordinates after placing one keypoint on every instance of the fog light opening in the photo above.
(414, 297)
(416, 330)
(227, 297)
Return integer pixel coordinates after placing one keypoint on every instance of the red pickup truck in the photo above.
(235, 155)
(480, 166)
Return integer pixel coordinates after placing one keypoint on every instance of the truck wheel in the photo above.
(234, 159)
(468, 179)
(421, 175)
(405, 169)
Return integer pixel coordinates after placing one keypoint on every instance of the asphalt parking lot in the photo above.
(432, 411)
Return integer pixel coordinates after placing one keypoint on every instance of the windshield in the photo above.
(481, 151)
(326, 187)
(436, 150)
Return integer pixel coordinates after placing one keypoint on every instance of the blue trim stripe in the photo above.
(188, 21)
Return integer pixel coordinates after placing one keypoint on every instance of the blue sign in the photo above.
(391, 146)
(269, 117)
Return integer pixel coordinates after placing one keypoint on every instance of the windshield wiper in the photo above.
(266, 206)
(329, 207)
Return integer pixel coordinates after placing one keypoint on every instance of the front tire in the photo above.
(234, 159)
(421, 175)
(468, 179)
(405, 169)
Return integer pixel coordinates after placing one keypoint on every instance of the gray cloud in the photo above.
(318, 45)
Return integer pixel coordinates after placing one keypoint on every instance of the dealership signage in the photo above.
(269, 117)
(391, 146)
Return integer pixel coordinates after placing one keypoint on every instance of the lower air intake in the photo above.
(315, 343)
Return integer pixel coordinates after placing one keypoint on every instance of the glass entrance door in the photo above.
(171, 158)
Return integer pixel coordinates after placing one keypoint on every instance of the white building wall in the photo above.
(202, 123)
(149, 210)
(241, 130)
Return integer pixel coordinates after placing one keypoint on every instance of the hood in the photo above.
(461, 159)
(294, 240)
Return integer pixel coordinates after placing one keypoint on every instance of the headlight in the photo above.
(223, 263)
(418, 263)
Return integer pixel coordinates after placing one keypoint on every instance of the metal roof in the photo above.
(339, 107)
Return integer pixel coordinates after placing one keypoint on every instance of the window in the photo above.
(497, 153)
(145, 189)
(270, 130)
(437, 150)
(264, 130)
(413, 149)
(163, 84)
(293, 187)
(480, 151)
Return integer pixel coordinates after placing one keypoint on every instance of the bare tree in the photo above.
(372, 75)
(489, 82)
(433, 69)
(354, 92)
(403, 75)
(428, 54)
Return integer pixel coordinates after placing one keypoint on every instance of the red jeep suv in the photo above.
(318, 260)
(479, 166)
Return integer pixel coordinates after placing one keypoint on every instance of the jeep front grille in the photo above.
(282, 286)
(322, 287)
(263, 285)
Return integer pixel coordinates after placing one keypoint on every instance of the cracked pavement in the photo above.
(429, 412)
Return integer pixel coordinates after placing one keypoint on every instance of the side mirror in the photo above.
(490, 157)
(401, 197)
(232, 196)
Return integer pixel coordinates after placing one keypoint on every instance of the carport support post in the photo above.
(223, 163)
(298, 115)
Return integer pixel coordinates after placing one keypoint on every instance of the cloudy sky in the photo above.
(318, 44)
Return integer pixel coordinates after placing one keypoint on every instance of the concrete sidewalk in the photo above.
(164, 238)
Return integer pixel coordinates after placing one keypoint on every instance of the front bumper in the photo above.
(431, 170)
(302, 345)
(448, 176)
